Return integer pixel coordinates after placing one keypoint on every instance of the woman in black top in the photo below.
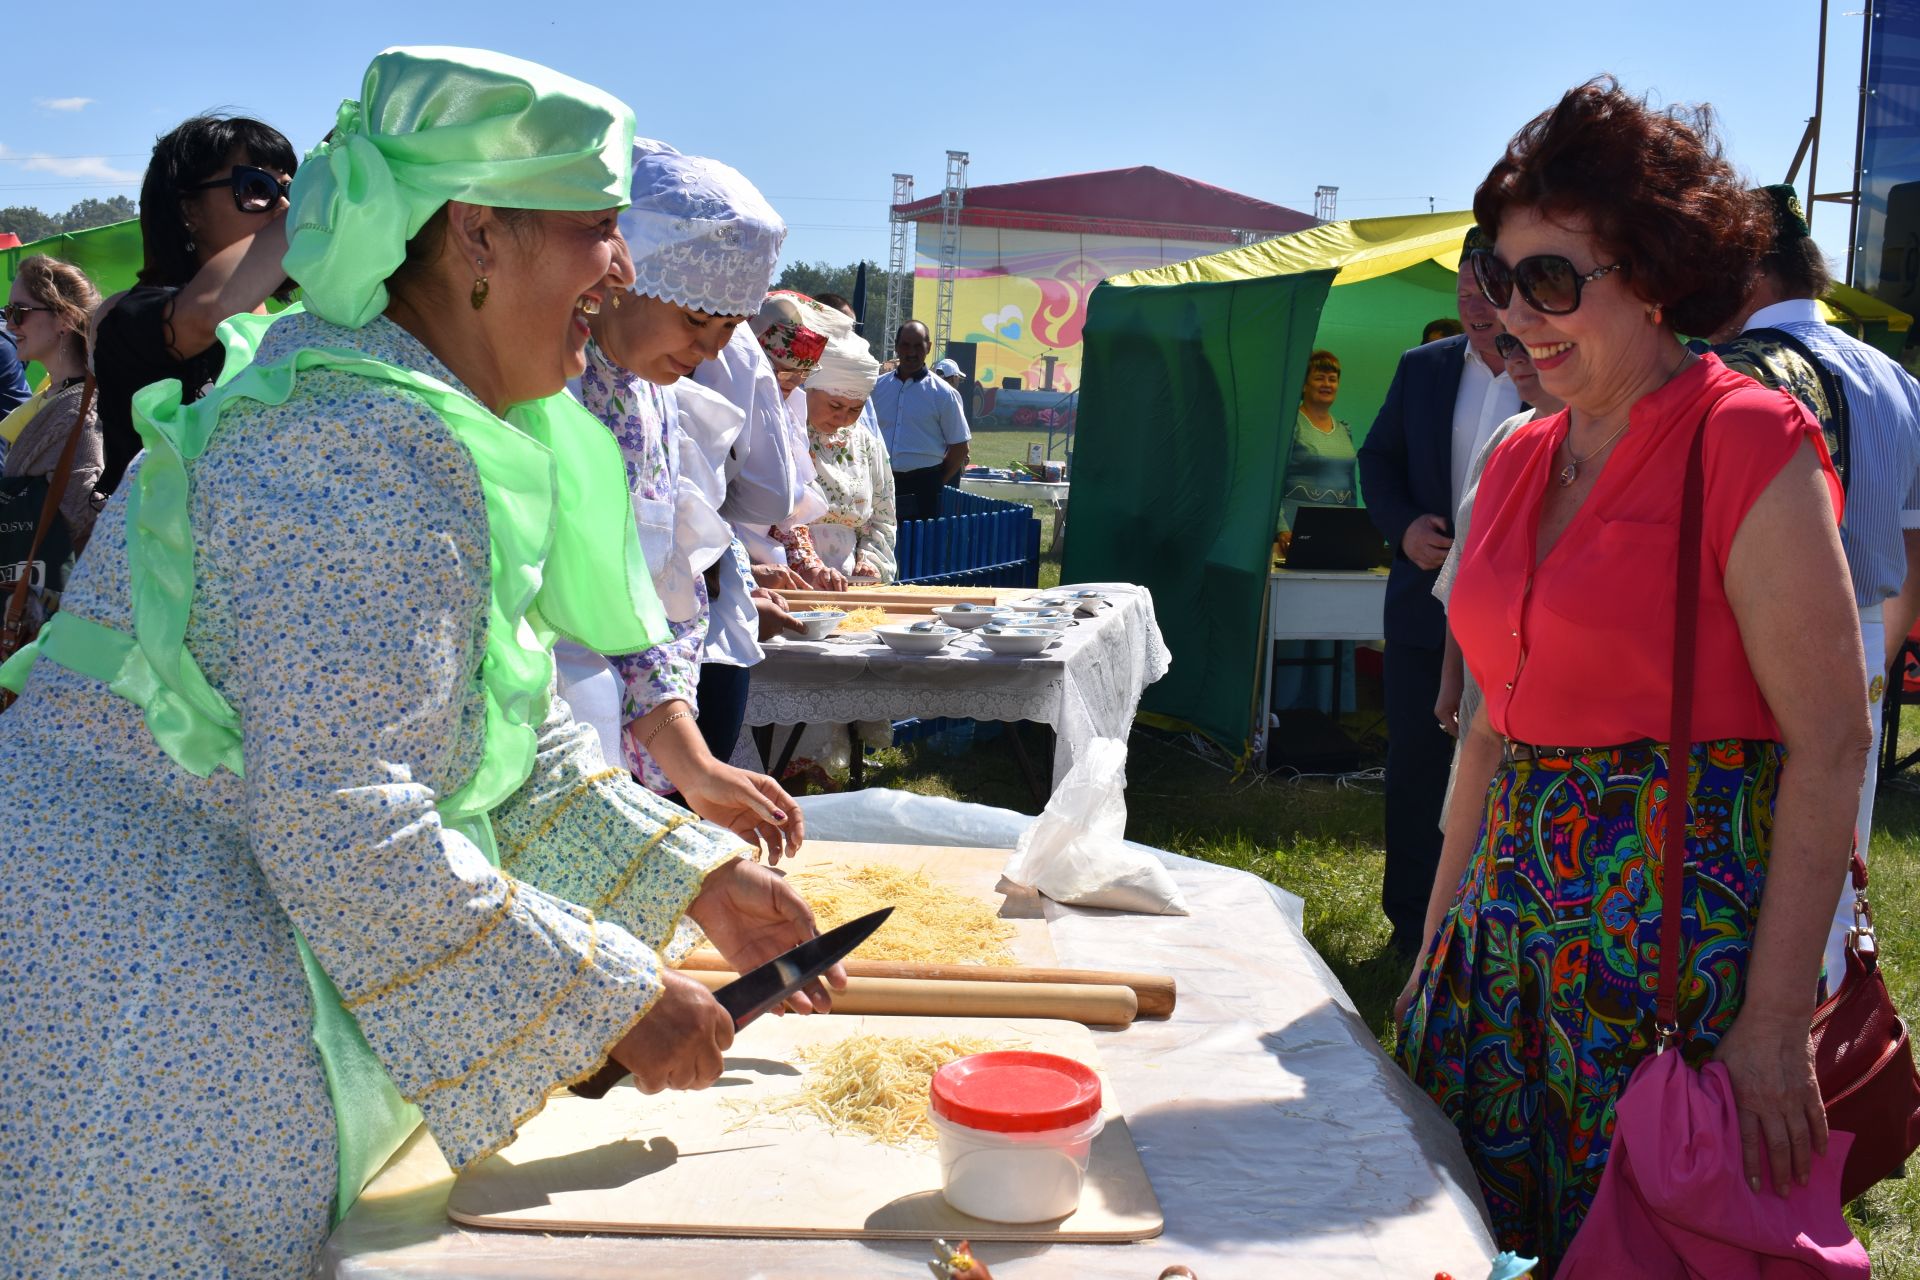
(212, 224)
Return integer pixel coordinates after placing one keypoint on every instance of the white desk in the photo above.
(1326, 606)
(1319, 605)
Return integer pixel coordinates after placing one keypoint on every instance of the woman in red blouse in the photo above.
(1616, 228)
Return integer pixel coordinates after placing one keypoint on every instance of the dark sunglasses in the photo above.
(1507, 345)
(254, 189)
(1549, 282)
(15, 313)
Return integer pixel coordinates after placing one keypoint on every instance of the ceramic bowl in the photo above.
(905, 639)
(967, 617)
(1034, 604)
(1053, 619)
(1018, 642)
(820, 623)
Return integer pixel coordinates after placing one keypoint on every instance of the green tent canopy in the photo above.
(1190, 382)
(110, 255)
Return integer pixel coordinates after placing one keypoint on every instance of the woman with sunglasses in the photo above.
(46, 311)
(341, 861)
(211, 230)
(1617, 228)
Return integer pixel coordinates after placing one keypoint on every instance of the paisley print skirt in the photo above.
(1537, 999)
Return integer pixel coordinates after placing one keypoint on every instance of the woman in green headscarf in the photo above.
(329, 856)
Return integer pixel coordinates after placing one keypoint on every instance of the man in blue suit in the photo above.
(1445, 400)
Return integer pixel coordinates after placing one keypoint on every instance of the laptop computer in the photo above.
(1335, 539)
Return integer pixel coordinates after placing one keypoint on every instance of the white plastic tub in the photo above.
(1015, 1131)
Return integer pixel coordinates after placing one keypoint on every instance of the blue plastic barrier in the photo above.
(974, 542)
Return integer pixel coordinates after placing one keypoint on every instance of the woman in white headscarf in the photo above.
(793, 331)
(856, 536)
(704, 243)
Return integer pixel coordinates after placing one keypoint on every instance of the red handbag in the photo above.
(1864, 1062)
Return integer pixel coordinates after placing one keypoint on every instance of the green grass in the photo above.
(1325, 844)
(996, 447)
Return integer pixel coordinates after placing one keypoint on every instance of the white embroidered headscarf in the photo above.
(702, 236)
(847, 368)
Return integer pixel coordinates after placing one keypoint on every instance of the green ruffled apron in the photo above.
(582, 577)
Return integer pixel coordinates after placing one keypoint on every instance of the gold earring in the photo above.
(616, 300)
(480, 285)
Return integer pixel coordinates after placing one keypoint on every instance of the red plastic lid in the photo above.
(1015, 1091)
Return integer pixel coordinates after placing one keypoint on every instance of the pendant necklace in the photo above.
(1571, 472)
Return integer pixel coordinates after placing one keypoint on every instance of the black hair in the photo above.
(1445, 326)
(837, 301)
(914, 324)
(192, 152)
(1800, 267)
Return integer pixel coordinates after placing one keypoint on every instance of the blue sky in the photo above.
(1392, 102)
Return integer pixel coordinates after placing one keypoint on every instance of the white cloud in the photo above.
(94, 168)
(63, 104)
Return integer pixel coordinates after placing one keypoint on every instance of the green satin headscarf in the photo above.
(435, 124)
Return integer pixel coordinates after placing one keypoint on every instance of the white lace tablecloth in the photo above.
(1088, 686)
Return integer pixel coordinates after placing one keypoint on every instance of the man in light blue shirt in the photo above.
(923, 425)
(1870, 407)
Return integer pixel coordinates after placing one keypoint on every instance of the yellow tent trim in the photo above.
(1361, 249)
(1367, 248)
(1845, 304)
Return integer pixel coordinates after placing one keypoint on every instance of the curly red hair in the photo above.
(1655, 188)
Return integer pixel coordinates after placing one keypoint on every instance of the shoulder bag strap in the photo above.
(1673, 850)
(49, 508)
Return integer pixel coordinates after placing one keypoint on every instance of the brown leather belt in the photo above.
(1512, 752)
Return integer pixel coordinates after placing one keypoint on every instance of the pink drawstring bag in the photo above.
(1683, 1210)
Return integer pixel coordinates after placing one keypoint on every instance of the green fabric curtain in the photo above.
(1185, 425)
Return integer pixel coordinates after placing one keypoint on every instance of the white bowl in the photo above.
(1018, 642)
(1053, 619)
(904, 639)
(967, 617)
(1034, 604)
(820, 623)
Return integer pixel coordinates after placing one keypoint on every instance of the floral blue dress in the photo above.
(640, 415)
(166, 1108)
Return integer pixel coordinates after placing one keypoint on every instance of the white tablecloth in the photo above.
(1087, 687)
(1279, 1139)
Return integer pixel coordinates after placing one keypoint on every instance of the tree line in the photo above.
(32, 224)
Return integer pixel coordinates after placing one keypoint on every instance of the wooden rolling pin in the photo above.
(1093, 1005)
(1154, 992)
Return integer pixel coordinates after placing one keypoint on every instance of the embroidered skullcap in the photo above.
(702, 236)
(794, 330)
(1789, 219)
(847, 368)
(1475, 242)
(434, 124)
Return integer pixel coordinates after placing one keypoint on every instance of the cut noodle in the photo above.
(876, 1086)
(865, 618)
(931, 923)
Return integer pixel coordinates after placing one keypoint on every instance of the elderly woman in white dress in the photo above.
(704, 243)
(857, 534)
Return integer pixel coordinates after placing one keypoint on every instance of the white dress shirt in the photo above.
(1483, 402)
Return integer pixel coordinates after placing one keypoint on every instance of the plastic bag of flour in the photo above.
(1076, 850)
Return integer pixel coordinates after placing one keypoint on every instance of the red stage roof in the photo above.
(8, 240)
(1141, 201)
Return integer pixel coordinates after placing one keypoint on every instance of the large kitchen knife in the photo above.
(752, 994)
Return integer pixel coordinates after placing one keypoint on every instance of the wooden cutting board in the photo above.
(717, 1163)
(974, 872)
